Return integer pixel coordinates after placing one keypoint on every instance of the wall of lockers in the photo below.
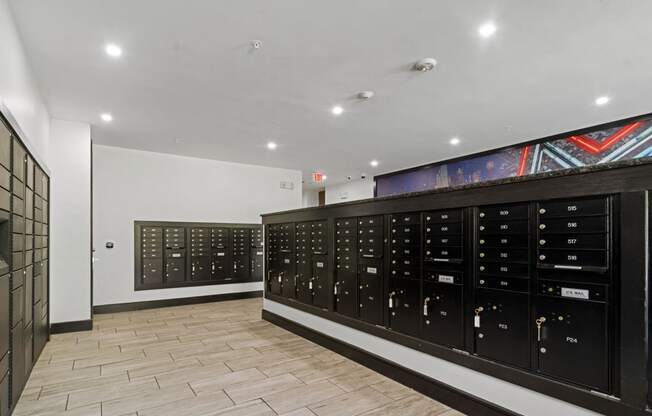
(24, 292)
(522, 281)
(176, 254)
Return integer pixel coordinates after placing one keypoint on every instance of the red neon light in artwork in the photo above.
(593, 146)
(521, 163)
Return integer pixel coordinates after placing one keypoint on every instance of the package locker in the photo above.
(345, 286)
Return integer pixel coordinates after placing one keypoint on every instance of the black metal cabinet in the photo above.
(303, 261)
(502, 278)
(175, 254)
(573, 307)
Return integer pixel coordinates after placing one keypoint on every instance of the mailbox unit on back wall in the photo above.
(524, 280)
(178, 254)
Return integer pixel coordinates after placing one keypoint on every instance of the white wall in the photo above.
(70, 221)
(350, 191)
(20, 99)
(310, 198)
(507, 395)
(131, 185)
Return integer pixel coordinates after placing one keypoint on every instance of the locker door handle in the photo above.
(476, 319)
(425, 306)
(539, 323)
(391, 299)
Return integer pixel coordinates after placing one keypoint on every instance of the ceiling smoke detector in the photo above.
(365, 95)
(425, 64)
(257, 44)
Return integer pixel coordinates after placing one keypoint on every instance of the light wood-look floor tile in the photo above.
(214, 359)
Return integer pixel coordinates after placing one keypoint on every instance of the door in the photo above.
(403, 301)
(443, 318)
(371, 292)
(321, 281)
(573, 339)
(502, 330)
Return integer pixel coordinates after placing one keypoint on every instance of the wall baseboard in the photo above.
(71, 326)
(443, 393)
(151, 304)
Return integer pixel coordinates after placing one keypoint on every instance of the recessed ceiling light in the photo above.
(323, 178)
(487, 29)
(106, 117)
(455, 141)
(271, 145)
(337, 110)
(374, 163)
(602, 100)
(113, 50)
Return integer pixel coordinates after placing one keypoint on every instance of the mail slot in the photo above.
(371, 221)
(443, 254)
(503, 227)
(516, 284)
(574, 258)
(504, 269)
(503, 255)
(573, 208)
(444, 229)
(408, 230)
(501, 322)
(442, 309)
(443, 240)
(409, 272)
(371, 248)
(573, 241)
(447, 277)
(515, 241)
(573, 335)
(406, 251)
(366, 232)
(402, 219)
(517, 211)
(345, 222)
(444, 216)
(404, 306)
(573, 225)
(405, 241)
(343, 232)
(345, 241)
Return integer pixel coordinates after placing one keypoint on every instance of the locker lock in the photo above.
(391, 299)
(542, 257)
(482, 268)
(425, 306)
(482, 228)
(482, 215)
(539, 322)
(542, 226)
(542, 211)
(476, 318)
(542, 242)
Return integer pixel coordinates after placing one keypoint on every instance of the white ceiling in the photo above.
(189, 75)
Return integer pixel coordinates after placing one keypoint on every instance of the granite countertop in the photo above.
(512, 179)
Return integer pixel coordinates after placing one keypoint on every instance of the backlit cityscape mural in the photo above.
(629, 141)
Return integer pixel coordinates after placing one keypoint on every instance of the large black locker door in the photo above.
(502, 329)
(443, 317)
(404, 307)
(288, 278)
(303, 278)
(346, 299)
(175, 270)
(277, 274)
(17, 363)
(152, 272)
(257, 260)
(371, 292)
(320, 283)
(573, 341)
(201, 269)
(219, 265)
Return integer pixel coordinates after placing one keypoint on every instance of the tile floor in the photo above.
(208, 359)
